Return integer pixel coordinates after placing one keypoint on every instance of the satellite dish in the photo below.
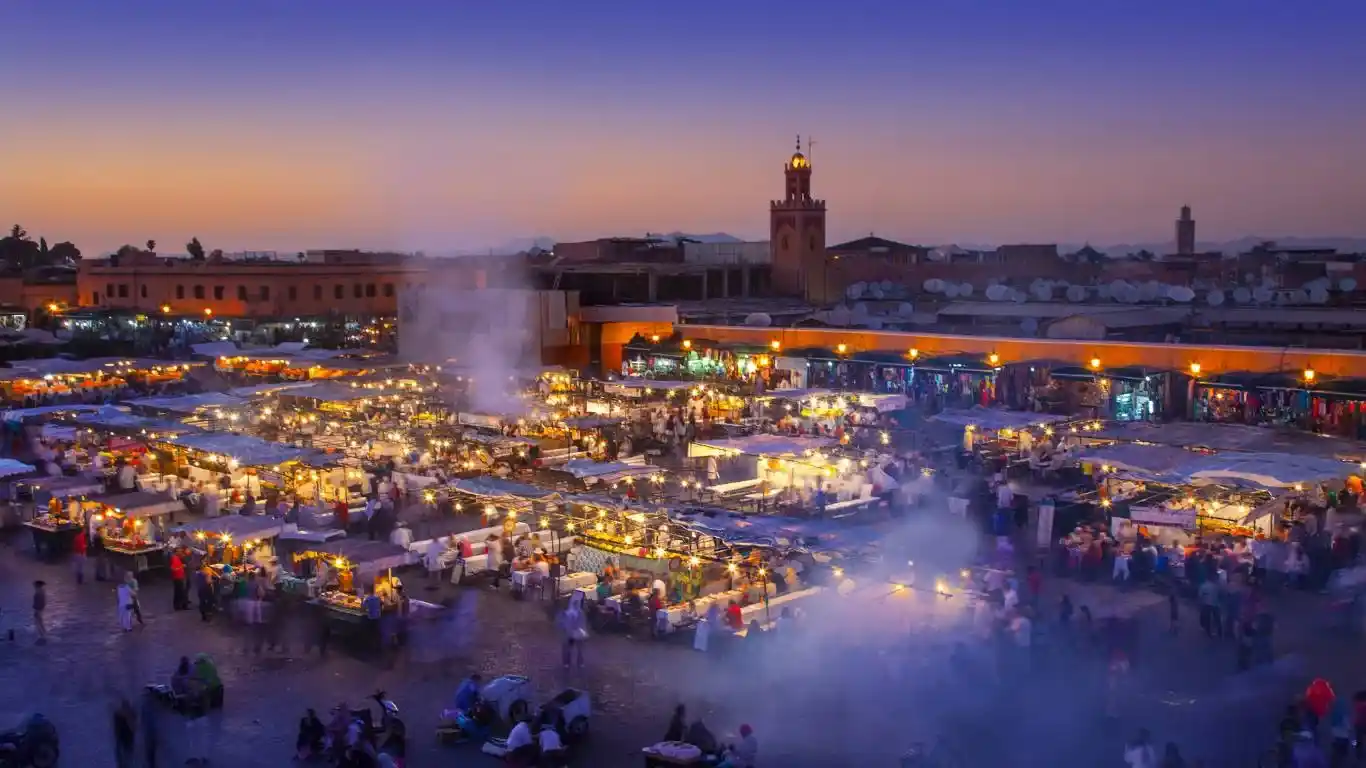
(875, 292)
(855, 290)
(965, 290)
(905, 309)
(885, 285)
(1180, 293)
(1299, 297)
(1018, 297)
(951, 290)
(760, 319)
(997, 292)
(1214, 298)
(934, 285)
(873, 323)
(840, 315)
(1318, 296)
(1030, 325)
(860, 310)
(1042, 292)
(1103, 291)
(1076, 293)
(1347, 284)
(1242, 295)
(1262, 295)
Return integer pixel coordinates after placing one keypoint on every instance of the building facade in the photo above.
(263, 289)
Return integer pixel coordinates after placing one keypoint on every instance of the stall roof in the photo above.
(334, 392)
(114, 419)
(640, 385)
(995, 418)
(493, 486)
(142, 504)
(592, 422)
(781, 532)
(1147, 461)
(768, 445)
(239, 527)
(249, 451)
(266, 389)
(367, 556)
(20, 414)
(27, 369)
(11, 467)
(601, 470)
(799, 394)
(1178, 466)
(1233, 437)
(189, 403)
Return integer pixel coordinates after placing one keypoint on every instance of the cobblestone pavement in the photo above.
(1183, 686)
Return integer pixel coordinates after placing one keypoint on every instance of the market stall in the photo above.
(135, 528)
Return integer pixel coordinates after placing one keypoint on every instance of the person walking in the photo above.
(180, 596)
(124, 595)
(125, 733)
(133, 589)
(573, 627)
(150, 719)
(39, 608)
(79, 546)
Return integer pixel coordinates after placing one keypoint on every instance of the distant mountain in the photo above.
(1230, 247)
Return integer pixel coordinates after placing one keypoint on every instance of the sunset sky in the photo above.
(441, 124)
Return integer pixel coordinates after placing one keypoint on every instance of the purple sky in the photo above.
(258, 124)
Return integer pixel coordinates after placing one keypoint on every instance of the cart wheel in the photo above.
(517, 710)
(578, 728)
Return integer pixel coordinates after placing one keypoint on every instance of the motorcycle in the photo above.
(390, 735)
(32, 745)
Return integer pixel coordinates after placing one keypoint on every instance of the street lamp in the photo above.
(1195, 369)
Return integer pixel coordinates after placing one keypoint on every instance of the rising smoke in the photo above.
(488, 335)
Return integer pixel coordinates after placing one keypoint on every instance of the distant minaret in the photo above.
(1185, 232)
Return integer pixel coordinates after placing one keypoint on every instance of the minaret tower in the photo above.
(1185, 232)
(797, 233)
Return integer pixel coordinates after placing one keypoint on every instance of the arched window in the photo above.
(218, 293)
(370, 290)
(241, 293)
(199, 291)
(180, 291)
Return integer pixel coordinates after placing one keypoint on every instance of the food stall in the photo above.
(134, 526)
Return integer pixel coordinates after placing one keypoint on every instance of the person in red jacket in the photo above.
(180, 599)
(343, 514)
(78, 549)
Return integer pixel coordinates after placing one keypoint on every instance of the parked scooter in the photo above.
(32, 745)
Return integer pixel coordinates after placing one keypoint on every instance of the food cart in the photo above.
(134, 527)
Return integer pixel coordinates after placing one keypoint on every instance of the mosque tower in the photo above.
(797, 232)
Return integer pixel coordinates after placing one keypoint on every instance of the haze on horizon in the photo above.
(258, 125)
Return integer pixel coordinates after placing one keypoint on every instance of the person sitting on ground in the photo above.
(206, 674)
(746, 752)
(549, 739)
(521, 746)
(468, 693)
(309, 742)
(677, 725)
(699, 736)
(183, 679)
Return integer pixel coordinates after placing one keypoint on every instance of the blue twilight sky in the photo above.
(290, 124)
